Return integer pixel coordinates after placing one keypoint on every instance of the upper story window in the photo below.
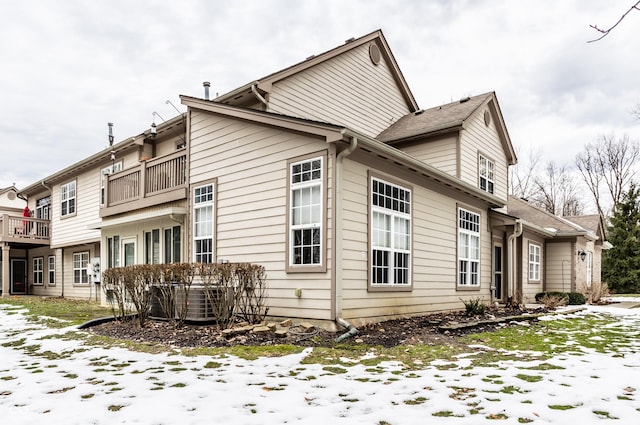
(468, 248)
(306, 212)
(203, 224)
(534, 262)
(390, 234)
(68, 199)
(486, 173)
(104, 175)
(43, 208)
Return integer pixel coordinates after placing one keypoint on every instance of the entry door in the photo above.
(18, 277)
(497, 271)
(129, 252)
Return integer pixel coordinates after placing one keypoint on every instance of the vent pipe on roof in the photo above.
(206, 85)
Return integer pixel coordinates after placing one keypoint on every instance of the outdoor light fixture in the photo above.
(582, 255)
(154, 130)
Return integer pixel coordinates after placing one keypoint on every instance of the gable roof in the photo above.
(448, 118)
(265, 83)
(591, 222)
(559, 226)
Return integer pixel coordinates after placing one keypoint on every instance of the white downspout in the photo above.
(338, 235)
(258, 96)
(511, 252)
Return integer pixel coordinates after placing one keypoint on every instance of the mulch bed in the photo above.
(434, 328)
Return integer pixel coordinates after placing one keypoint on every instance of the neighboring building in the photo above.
(556, 253)
(359, 204)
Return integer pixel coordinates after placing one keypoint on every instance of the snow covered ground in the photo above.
(45, 379)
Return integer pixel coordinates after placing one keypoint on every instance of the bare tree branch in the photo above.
(522, 175)
(557, 191)
(610, 162)
(607, 31)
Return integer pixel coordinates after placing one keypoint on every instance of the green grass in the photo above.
(72, 312)
(538, 342)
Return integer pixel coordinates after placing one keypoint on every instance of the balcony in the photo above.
(28, 230)
(152, 182)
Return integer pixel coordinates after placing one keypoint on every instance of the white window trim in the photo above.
(210, 231)
(393, 249)
(589, 260)
(314, 226)
(65, 198)
(486, 171)
(535, 250)
(51, 268)
(82, 268)
(38, 271)
(468, 259)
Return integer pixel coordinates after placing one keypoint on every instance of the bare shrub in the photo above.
(182, 278)
(552, 301)
(115, 292)
(252, 281)
(138, 281)
(596, 292)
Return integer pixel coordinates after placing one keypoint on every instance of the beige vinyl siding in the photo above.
(441, 153)
(434, 255)
(69, 230)
(249, 165)
(44, 289)
(531, 287)
(71, 289)
(558, 266)
(348, 90)
(477, 138)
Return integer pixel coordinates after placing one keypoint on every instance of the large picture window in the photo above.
(468, 248)
(390, 234)
(306, 212)
(534, 262)
(68, 198)
(486, 173)
(203, 224)
(80, 262)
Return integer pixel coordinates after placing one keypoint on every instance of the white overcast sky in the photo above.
(68, 67)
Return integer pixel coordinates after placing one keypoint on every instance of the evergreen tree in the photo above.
(621, 264)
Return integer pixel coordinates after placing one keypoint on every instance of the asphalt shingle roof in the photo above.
(434, 119)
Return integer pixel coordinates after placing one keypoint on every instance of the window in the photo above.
(172, 245)
(305, 220)
(38, 271)
(152, 247)
(486, 167)
(68, 198)
(114, 168)
(113, 251)
(203, 224)
(51, 269)
(534, 262)
(80, 262)
(43, 208)
(468, 248)
(390, 234)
